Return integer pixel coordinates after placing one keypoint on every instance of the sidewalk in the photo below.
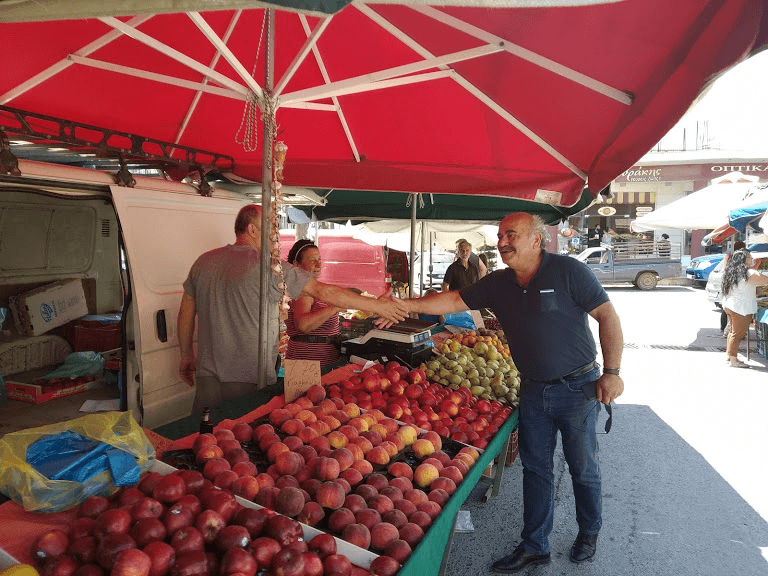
(684, 471)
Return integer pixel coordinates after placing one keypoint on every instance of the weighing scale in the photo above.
(409, 341)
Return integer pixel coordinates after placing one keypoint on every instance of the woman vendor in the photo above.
(311, 324)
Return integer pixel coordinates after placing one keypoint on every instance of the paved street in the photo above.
(685, 473)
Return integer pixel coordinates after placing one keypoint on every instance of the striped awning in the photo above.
(632, 198)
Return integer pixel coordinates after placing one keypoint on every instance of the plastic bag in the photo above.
(461, 319)
(79, 364)
(70, 456)
(26, 486)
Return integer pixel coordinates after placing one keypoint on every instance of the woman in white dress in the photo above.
(739, 290)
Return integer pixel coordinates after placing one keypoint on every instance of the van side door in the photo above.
(164, 232)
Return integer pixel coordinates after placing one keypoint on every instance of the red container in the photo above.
(94, 336)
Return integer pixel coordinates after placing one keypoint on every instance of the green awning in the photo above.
(359, 206)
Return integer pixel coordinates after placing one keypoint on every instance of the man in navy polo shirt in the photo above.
(543, 301)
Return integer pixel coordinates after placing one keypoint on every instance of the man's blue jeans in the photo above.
(545, 409)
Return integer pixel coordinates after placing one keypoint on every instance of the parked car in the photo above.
(700, 268)
(641, 270)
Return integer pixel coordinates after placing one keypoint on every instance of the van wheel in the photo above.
(646, 281)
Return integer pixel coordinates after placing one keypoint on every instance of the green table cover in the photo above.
(427, 557)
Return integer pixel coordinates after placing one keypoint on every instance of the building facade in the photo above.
(657, 180)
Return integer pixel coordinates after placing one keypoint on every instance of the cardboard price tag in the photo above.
(299, 376)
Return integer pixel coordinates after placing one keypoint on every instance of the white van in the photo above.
(132, 247)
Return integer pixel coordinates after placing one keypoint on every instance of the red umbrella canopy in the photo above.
(529, 103)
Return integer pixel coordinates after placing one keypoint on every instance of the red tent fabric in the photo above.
(527, 102)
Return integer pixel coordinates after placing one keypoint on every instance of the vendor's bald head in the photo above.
(521, 238)
(250, 214)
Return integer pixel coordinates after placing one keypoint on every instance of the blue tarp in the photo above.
(740, 218)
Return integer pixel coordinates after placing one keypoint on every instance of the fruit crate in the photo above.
(358, 556)
(761, 333)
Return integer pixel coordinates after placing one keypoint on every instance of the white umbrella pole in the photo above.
(267, 143)
(421, 258)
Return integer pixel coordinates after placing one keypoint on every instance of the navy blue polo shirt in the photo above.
(546, 323)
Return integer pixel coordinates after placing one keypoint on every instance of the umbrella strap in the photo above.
(250, 137)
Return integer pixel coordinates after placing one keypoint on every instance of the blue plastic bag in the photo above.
(460, 319)
(70, 456)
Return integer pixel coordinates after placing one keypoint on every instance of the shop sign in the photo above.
(745, 168)
(640, 174)
(682, 172)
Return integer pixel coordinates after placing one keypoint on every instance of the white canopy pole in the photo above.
(421, 258)
(267, 144)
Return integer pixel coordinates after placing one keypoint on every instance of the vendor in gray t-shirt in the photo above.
(223, 292)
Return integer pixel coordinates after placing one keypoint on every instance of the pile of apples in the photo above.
(479, 365)
(320, 478)
(406, 396)
(180, 524)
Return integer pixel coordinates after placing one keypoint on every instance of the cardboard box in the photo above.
(38, 394)
(42, 309)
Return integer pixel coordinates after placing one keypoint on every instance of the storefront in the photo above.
(660, 180)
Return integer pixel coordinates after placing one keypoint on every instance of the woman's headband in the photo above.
(309, 244)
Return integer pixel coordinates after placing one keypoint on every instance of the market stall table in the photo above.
(429, 557)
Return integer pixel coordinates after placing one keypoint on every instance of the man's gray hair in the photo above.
(464, 242)
(539, 227)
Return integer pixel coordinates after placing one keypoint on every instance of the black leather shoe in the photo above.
(518, 560)
(584, 547)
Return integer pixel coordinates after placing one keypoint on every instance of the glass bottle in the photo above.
(206, 425)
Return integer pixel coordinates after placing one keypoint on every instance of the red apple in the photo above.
(113, 521)
(50, 543)
(384, 566)
(263, 550)
(169, 489)
(63, 565)
(323, 544)
(283, 529)
(131, 562)
(162, 557)
(193, 563)
(288, 562)
(83, 550)
(148, 530)
(223, 502)
(237, 561)
(82, 527)
(313, 565)
(337, 564)
(232, 536)
(209, 523)
(187, 539)
(178, 518)
(110, 546)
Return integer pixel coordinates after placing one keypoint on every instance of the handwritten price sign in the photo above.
(299, 376)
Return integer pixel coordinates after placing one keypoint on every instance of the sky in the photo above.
(735, 108)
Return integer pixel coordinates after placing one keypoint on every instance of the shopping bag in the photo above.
(127, 453)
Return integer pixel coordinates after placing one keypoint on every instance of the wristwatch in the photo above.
(611, 371)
